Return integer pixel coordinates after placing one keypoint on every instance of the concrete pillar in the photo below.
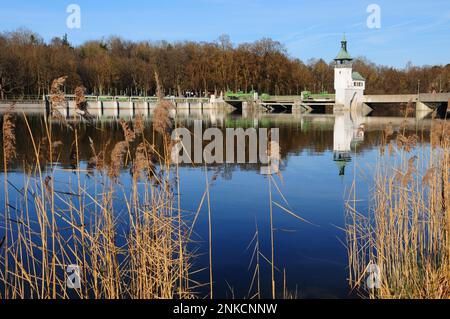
(182, 110)
(126, 108)
(420, 106)
(145, 110)
(151, 107)
(195, 109)
(116, 108)
(67, 109)
(110, 108)
(71, 108)
(47, 105)
(94, 108)
(420, 115)
(365, 109)
(100, 108)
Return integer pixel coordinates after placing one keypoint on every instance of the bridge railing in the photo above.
(105, 98)
(21, 98)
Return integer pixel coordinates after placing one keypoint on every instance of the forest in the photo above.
(116, 66)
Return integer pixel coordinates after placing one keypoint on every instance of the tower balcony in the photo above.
(343, 65)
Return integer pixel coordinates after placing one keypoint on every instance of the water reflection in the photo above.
(311, 146)
(343, 133)
(348, 132)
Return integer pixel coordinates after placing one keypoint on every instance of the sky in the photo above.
(408, 31)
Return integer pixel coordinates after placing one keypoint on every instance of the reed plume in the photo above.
(407, 143)
(440, 132)
(9, 137)
(129, 134)
(139, 125)
(409, 108)
(97, 161)
(117, 158)
(80, 99)
(162, 122)
(143, 161)
(57, 96)
(81, 104)
(159, 87)
(58, 100)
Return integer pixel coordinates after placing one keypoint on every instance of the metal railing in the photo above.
(118, 98)
(21, 98)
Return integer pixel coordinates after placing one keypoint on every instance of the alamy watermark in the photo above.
(263, 146)
(73, 279)
(73, 21)
(374, 19)
(373, 280)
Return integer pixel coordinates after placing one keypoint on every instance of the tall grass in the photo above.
(402, 244)
(129, 240)
(53, 224)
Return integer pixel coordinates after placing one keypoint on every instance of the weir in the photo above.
(113, 106)
(119, 106)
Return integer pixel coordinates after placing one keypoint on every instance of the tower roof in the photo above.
(357, 77)
(343, 55)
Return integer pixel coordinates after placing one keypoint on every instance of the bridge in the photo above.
(131, 105)
(405, 98)
(423, 101)
(305, 102)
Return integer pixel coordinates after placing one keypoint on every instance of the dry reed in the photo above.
(130, 136)
(162, 122)
(52, 228)
(81, 105)
(139, 124)
(406, 231)
(143, 162)
(9, 137)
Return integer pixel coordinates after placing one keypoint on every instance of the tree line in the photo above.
(28, 66)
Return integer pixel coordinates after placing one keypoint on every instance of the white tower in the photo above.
(348, 85)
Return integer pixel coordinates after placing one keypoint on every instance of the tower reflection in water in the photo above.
(347, 134)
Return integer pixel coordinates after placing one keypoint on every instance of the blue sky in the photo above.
(416, 31)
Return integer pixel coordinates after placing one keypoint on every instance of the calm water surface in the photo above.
(313, 181)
